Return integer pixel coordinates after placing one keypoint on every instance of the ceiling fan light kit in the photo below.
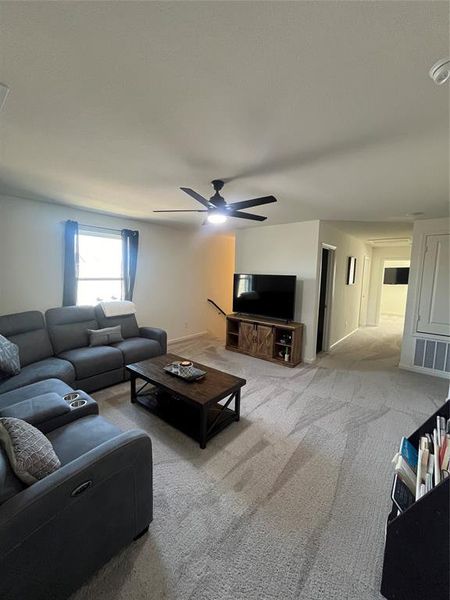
(216, 218)
(218, 210)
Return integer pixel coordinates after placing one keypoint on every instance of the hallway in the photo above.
(369, 349)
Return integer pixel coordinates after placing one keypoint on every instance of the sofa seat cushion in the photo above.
(78, 437)
(92, 361)
(39, 388)
(136, 349)
(38, 371)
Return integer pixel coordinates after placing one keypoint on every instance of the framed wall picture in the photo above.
(351, 270)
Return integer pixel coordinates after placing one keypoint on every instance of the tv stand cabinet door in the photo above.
(264, 341)
(247, 337)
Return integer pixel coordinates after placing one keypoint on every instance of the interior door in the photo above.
(247, 337)
(264, 341)
(322, 300)
(434, 304)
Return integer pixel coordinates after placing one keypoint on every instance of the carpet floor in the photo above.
(289, 503)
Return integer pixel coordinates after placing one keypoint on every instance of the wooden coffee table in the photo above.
(192, 407)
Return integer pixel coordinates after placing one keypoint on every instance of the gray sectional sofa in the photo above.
(60, 530)
(58, 347)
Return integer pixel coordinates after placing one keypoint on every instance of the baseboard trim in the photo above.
(343, 338)
(425, 371)
(184, 338)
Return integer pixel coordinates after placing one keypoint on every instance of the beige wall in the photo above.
(174, 273)
(219, 269)
(346, 298)
(286, 250)
(379, 256)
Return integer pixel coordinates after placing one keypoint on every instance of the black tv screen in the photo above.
(264, 295)
(396, 275)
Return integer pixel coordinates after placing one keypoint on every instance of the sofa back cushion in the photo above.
(27, 330)
(128, 323)
(68, 326)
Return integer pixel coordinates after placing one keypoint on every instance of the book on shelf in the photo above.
(409, 453)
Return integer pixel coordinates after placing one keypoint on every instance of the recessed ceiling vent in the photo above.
(440, 71)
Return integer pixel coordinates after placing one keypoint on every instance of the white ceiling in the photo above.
(326, 105)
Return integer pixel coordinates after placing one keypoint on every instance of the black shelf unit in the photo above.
(416, 555)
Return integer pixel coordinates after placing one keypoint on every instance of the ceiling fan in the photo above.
(218, 209)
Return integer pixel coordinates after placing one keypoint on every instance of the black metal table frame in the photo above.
(205, 432)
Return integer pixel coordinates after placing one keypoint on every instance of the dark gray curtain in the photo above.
(130, 242)
(70, 263)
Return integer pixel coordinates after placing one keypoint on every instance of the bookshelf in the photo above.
(416, 555)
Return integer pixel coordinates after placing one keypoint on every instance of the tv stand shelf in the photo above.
(276, 341)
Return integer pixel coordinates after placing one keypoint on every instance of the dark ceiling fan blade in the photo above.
(198, 211)
(197, 197)
(253, 202)
(243, 215)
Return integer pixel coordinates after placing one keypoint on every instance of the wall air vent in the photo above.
(431, 354)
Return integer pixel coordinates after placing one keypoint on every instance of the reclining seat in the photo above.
(140, 343)
(37, 360)
(95, 367)
(60, 530)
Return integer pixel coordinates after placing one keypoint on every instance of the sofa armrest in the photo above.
(154, 333)
(37, 410)
(55, 497)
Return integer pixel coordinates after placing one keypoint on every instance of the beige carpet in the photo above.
(289, 503)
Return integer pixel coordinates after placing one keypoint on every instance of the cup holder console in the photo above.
(75, 400)
(77, 403)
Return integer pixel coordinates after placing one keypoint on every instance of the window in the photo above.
(100, 275)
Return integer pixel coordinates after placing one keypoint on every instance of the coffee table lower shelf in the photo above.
(201, 424)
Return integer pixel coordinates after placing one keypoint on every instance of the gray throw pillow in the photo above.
(30, 453)
(9, 357)
(105, 336)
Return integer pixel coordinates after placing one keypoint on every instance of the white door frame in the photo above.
(365, 285)
(329, 294)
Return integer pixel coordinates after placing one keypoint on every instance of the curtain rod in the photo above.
(99, 228)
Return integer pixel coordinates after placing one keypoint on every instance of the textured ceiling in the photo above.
(326, 105)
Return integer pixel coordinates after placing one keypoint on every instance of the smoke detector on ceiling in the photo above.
(4, 91)
(440, 71)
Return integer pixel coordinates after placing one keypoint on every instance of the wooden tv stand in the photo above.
(265, 338)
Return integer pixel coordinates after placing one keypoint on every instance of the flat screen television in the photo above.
(396, 275)
(264, 295)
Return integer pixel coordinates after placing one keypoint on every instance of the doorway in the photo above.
(325, 298)
(394, 290)
(365, 279)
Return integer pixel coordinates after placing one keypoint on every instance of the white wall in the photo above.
(173, 274)
(379, 256)
(346, 298)
(286, 250)
(393, 297)
(410, 335)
